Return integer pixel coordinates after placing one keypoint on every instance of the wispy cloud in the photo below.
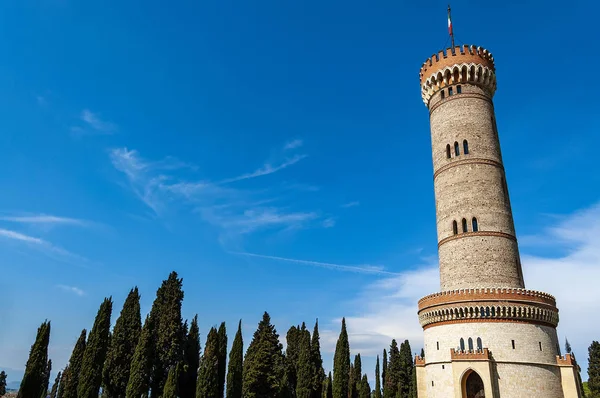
(329, 222)
(43, 245)
(44, 219)
(94, 121)
(293, 144)
(351, 204)
(71, 289)
(267, 169)
(363, 269)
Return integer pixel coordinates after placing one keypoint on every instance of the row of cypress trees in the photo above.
(161, 358)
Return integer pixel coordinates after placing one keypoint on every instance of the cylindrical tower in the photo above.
(476, 234)
(485, 335)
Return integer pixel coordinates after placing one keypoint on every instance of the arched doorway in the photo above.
(473, 385)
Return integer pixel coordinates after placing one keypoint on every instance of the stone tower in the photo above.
(485, 334)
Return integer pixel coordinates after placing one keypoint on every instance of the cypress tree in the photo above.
(63, 382)
(305, 373)
(263, 365)
(141, 363)
(364, 390)
(422, 353)
(392, 374)
(44, 391)
(356, 379)
(168, 332)
(235, 368)
(341, 364)
(189, 371)
(34, 377)
(90, 376)
(222, 355)
(125, 336)
(406, 369)
(2, 383)
(208, 374)
(329, 391)
(171, 390)
(54, 390)
(377, 393)
(317, 360)
(384, 371)
(72, 377)
(291, 355)
(413, 384)
(351, 382)
(567, 346)
(594, 369)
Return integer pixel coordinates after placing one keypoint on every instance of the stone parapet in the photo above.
(565, 360)
(494, 294)
(419, 361)
(470, 355)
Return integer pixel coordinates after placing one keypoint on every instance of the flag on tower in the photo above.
(449, 22)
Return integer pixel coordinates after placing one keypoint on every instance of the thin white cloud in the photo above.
(266, 169)
(44, 246)
(44, 219)
(351, 204)
(293, 144)
(329, 222)
(95, 122)
(71, 289)
(363, 269)
(571, 278)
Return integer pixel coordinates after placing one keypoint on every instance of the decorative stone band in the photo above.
(463, 162)
(457, 97)
(473, 355)
(465, 73)
(478, 233)
(488, 305)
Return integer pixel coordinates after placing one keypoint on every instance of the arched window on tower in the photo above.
(456, 149)
(458, 89)
(454, 227)
(443, 94)
(475, 225)
(465, 147)
(479, 344)
(464, 225)
(470, 344)
(462, 344)
(448, 151)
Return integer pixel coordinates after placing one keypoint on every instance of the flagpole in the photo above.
(450, 27)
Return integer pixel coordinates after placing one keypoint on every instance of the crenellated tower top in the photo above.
(460, 64)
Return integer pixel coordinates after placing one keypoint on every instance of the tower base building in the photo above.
(485, 334)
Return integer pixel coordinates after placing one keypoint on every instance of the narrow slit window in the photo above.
(438, 345)
(475, 224)
(513, 344)
(449, 91)
(458, 89)
(462, 344)
(443, 367)
(540, 346)
(456, 149)
(465, 147)
(431, 383)
(443, 94)
(464, 225)
(479, 344)
(470, 344)
(448, 151)
(454, 227)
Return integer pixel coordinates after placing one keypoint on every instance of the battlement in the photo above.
(565, 360)
(469, 355)
(482, 294)
(460, 64)
(456, 55)
(419, 361)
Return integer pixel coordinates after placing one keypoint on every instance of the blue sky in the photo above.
(260, 150)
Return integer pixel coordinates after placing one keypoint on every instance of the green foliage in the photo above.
(34, 377)
(384, 371)
(54, 390)
(422, 353)
(291, 355)
(191, 358)
(377, 393)
(263, 366)
(44, 392)
(341, 364)
(305, 370)
(329, 390)
(406, 369)
(364, 389)
(169, 334)
(594, 369)
(125, 336)
(236, 365)
(2, 383)
(141, 363)
(413, 384)
(567, 346)
(393, 373)
(317, 360)
(222, 355)
(355, 377)
(90, 376)
(74, 368)
(63, 381)
(208, 374)
(171, 385)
